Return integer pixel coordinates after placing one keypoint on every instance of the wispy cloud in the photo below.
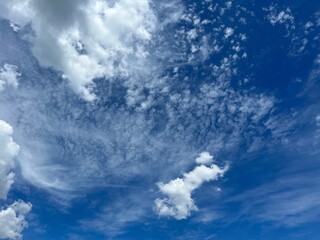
(290, 200)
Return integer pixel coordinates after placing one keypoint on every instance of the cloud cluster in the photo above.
(12, 220)
(151, 124)
(280, 17)
(8, 150)
(86, 40)
(178, 202)
(162, 115)
(289, 200)
(9, 76)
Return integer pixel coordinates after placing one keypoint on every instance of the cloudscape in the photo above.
(159, 119)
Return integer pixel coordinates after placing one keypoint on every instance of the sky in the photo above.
(159, 119)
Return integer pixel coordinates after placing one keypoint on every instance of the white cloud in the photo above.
(12, 220)
(179, 203)
(8, 150)
(86, 40)
(9, 76)
(204, 158)
(282, 17)
(228, 32)
(19, 11)
(125, 143)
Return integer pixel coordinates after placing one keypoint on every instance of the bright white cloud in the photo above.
(12, 220)
(178, 202)
(86, 40)
(228, 32)
(204, 158)
(9, 76)
(8, 150)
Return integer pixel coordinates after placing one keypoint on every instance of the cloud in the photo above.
(9, 76)
(12, 220)
(204, 158)
(8, 151)
(228, 32)
(86, 40)
(179, 203)
(280, 17)
(146, 123)
(157, 124)
(290, 200)
(152, 124)
(120, 212)
(318, 120)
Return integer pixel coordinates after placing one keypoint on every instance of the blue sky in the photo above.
(156, 119)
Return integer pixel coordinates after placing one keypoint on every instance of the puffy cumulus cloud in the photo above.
(12, 220)
(18, 11)
(204, 158)
(179, 203)
(228, 32)
(9, 76)
(8, 150)
(86, 40)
